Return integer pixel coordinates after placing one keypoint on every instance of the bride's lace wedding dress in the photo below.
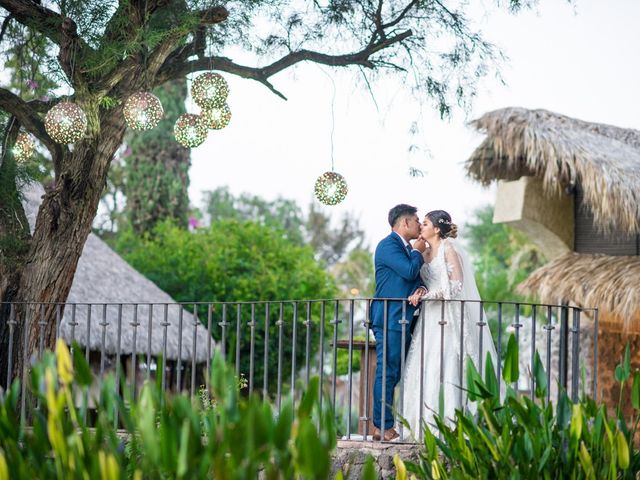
(449, 276)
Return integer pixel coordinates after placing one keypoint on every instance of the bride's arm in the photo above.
(454, 272)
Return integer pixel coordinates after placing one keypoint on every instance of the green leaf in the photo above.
(623, 370)
(635, 391)
(313, 459)
(490, 378)
(369, 470)
(183, 452)
(511, 370)
(540, 377)
(626, 364)
(283, 425)
(83, 375)
(474, 381)
(585, 460)
(576, 423)
(563, 411)
(309, 399)
(623, 450)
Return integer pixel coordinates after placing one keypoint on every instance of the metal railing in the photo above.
(275, 347)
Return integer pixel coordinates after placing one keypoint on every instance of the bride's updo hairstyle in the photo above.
(442, 220)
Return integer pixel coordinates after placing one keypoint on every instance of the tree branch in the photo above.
(174, 68)
(166, 49)
(213, 15)
(37, 17)
(5, 25)
(402, 14)
(24, 113)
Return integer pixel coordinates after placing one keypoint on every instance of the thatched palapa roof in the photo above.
(563, 151)
(103, 277)
(609, 282)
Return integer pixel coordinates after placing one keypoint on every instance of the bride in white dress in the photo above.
(448, 275)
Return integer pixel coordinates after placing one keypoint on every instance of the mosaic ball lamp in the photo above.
(189, 130)
(331, 188)
(209, 90)
(216, 118)
(23, 148)
(65, 123)
(143, 111)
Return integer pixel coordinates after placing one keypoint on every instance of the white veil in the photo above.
(472, 316)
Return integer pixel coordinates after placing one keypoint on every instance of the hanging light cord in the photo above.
(333, 113)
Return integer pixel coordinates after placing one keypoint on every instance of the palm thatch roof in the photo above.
(563, 151)
(103, 277)
(608, 282)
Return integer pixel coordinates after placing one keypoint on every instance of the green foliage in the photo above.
(160, 436)
(340, 247)
(230, 261)
(155, 175)
(503, 257)
(234, 261)
(521, 437)
(280, 214)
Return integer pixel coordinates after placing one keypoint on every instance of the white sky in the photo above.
(579, 60)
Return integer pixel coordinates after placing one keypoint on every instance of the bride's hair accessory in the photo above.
(442, 220)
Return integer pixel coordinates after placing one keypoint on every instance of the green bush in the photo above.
(163, 436)
(520, 437)
(236, 261)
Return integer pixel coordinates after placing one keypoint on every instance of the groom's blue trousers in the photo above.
(393, 362)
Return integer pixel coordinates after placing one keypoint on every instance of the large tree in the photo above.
(106, 50)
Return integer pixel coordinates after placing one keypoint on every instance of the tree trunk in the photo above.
(62, 227)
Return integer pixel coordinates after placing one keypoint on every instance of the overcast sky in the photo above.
(580, 60)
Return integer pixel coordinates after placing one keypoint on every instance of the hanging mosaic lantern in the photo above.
(23, 148)
(143, 111)
(209, 90)
(190, 130)
(216, 118)
(331, 188)
(65, 123)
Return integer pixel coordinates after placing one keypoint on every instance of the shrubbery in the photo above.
(224, 435)
(520, 437)
(161, 436)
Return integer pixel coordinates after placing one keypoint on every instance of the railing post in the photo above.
(334, 354)
(403, 347)
(265, 367)
(365, 412)
(575, 355)
(12, 324)
(350, 368)
(280, 325)
(595, 355)
(564, 346)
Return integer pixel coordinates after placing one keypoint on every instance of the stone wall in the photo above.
(611, 345)
(350, 457)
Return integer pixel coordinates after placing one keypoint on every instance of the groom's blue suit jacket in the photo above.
(397, 276)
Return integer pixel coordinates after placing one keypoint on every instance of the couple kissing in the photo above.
(422, 285)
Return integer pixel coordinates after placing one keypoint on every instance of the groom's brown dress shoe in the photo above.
(390, 434)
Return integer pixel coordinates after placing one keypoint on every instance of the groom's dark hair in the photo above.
(399, 211)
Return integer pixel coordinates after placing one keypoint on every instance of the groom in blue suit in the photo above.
(397, 265)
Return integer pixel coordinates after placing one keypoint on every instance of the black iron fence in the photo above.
(276, 347)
